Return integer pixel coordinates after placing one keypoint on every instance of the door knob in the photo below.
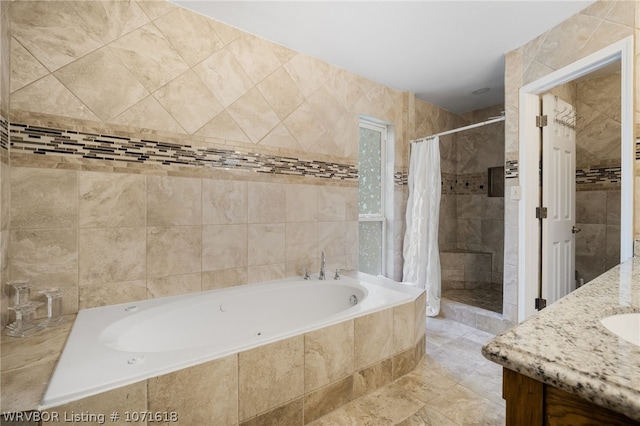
(575, 230)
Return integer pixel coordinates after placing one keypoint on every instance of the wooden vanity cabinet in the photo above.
(533, 403)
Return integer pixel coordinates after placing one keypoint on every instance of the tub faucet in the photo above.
(322, 267)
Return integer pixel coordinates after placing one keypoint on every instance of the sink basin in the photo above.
(626, 326)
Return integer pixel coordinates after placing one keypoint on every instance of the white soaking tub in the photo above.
(117, 345)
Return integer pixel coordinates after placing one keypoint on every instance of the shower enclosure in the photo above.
(471, 235)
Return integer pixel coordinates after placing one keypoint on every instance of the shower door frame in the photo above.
(529, 149)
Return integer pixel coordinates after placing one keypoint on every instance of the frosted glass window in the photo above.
(371, 178)
(370, 172)
(370, 258)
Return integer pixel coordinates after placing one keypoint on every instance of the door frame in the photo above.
(529, 149)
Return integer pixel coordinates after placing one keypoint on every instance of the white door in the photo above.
(558, 196)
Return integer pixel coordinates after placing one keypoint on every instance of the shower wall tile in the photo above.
(108, 200)
(224, 247)
(43, 198)
(173, 201)
(372, 342)
(203, 394)
(269, 376)
(111, 255)
(332, 204)
(328, 355)
(174, 250)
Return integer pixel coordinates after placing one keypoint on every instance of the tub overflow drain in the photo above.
(136, 360)
(353, 300)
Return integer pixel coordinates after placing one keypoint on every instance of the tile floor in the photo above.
(481, 298)
(453, 385)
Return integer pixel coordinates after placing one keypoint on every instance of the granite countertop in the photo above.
(567, 347)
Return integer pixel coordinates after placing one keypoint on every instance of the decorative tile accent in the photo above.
(511, 169)
(594, 177)
(4, 134)
(49, 141)
(400, 178)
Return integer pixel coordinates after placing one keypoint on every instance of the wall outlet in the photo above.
(516, 192)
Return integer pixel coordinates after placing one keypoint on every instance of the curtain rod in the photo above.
(460, 129)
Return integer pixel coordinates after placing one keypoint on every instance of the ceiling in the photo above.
(440, 50)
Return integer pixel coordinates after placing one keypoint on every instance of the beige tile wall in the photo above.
(596, 27)
(167, 69)
(111, 238)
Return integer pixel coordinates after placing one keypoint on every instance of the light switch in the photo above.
(515, 193)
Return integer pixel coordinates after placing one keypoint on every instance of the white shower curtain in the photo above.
(420, 250)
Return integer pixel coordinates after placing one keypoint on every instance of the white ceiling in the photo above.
(439, 50)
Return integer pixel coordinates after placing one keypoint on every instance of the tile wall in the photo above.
(233, 162)
(596, 27)
(5, 58)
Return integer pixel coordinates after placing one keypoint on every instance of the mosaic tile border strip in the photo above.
(49, 141)
(401, 178)
(511, 169)
(610, 175)
(4, 134)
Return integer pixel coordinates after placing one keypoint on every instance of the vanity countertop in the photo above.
(566, 346)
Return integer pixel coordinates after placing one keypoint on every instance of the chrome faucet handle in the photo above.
(322, 275)
(306, 274)
(337, 275)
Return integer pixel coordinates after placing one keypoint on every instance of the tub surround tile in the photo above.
(328, 355)
(46, 258)
(22, 388)
(174, 250)
(301, 242)
(327, 399)
(129, 398)
(372, 378)
(420, 316)
(266, 202)
(403, 363)
(173, 285)
(224, 202)
(403, 327)
(291, 413)
(26, 69)
(224, 76)
(110, 255)
(224, 247)
(331, 238)
(274, 271)
(203, 394)
(301, 203)
(173, 201)
(266, 244)
(222, 278)
(270, 375)
(111, 200)
(42, 198)
(93, 296)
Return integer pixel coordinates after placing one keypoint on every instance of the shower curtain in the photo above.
(420, 250)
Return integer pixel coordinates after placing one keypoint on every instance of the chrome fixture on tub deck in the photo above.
(322, 267)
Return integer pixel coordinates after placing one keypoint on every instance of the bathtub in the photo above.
(114, 346)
